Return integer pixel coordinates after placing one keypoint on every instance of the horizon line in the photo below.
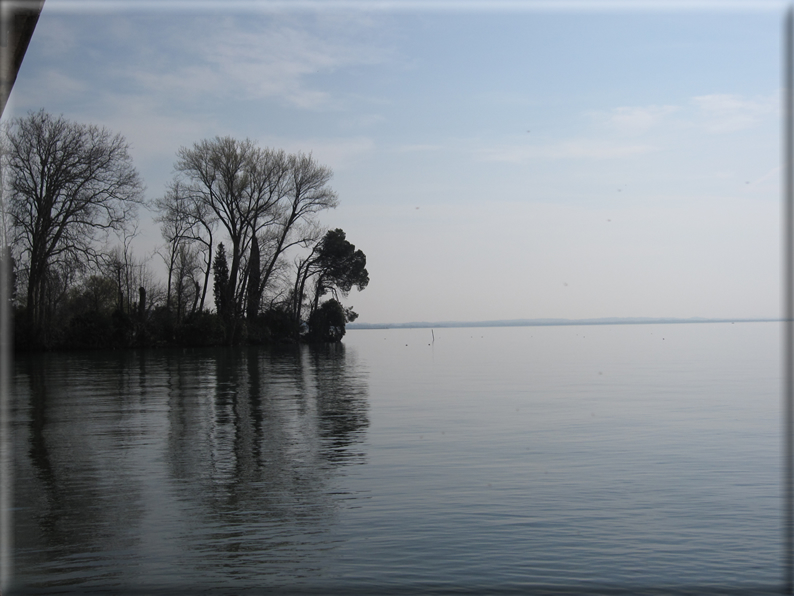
(545, 322)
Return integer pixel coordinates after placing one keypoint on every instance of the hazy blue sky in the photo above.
(492, 164)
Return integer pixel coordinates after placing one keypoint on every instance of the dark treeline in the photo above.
(247, 260)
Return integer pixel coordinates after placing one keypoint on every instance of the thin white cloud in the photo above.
(51, 83)
(419, 148)
(714, 113)
(155, 135)
(362, 120)
(192, 60)
(254, 60)
(721, 113)
(571, 149)
(634, 120)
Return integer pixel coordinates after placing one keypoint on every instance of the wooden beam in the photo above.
(18, 20)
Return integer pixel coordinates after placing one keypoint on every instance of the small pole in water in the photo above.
(434, 336)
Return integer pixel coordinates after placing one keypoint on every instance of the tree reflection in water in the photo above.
(157, 466)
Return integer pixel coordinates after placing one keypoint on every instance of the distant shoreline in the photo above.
(554, 322)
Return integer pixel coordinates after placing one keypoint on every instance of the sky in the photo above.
(533, 160)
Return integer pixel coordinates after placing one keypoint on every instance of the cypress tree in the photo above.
(254, 275)
(220, 272)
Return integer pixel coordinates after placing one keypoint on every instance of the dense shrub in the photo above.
(202, 328)
(89, 330)
(327, 323)
(277, 326)
(122, 329)
(160, 327)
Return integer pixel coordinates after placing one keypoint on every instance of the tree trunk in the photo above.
(253, 281)
(195, 297)
(207, 274)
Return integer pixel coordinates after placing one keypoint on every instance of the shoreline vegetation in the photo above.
(247, 259)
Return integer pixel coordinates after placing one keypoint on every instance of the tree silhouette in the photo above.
(70, 182)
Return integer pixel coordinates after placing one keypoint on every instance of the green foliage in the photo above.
(24, 339)
(69, 183)
(122, 329)
(277, 324)
(265, 200)
(327, 323)
(97, 294)
(89, 330)
(201, 328)
(335, 266)
(160, 327)
(341, 265)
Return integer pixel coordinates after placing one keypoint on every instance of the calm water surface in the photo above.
(600, 457)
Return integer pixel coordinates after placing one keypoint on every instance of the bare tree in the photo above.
(69, 182)
(266, 202)
(240, 184)
(129, 273)
(185, 219)
(202, 231)
(186, 286)
(175, 226)
(307, 193)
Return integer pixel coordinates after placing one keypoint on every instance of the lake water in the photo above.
(566, 459)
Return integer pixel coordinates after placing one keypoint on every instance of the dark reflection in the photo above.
(163, 466)
(70, 429)
(256, 436)
(340, 402)
(51, 506)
